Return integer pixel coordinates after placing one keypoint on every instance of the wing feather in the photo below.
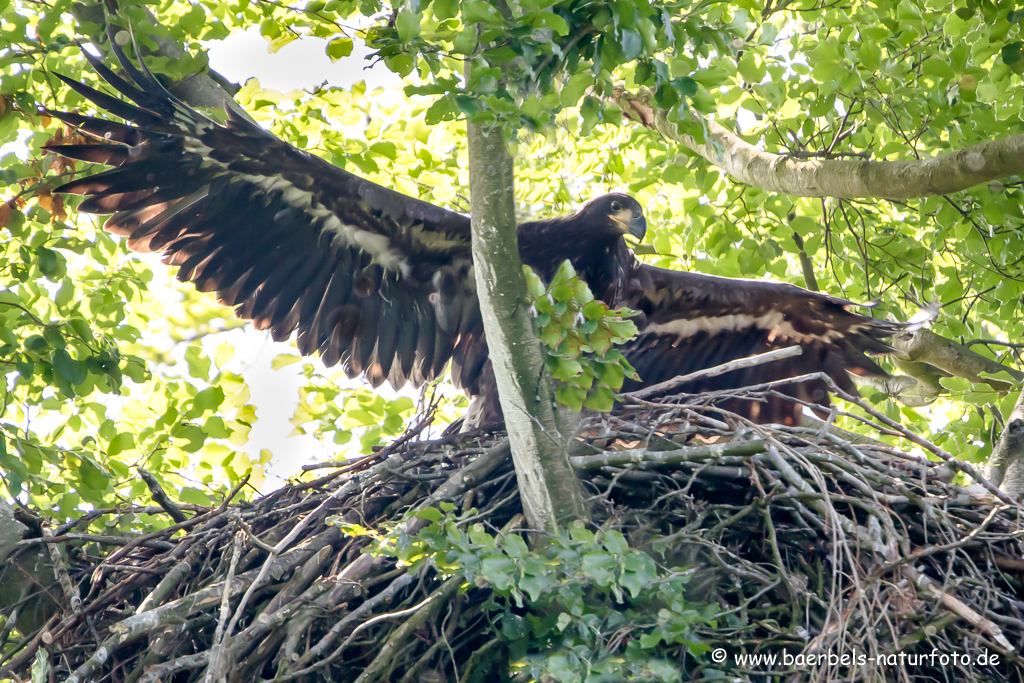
(291, 241)
(692, 321)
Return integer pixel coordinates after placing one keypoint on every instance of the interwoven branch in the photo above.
(801, 540)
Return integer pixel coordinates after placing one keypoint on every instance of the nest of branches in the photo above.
(751, 552)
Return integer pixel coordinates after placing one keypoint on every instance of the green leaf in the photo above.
(193, 496)
(431, 514)
(197, 362)
(385, 149)
(1001, 376)
(955, 384)
(615, 542)
(573, 90)
(938, 68)
(479, 11)
(638, 572)
(538, 577)
(600, 398)
(408, 25)
(122, 442)
(339, 48)
(70, 369)
(92, 475)
(1011, 53)
(66, 294)
(225, 352)
(600, 567)
(751, 68)
(445, 9)
(513, 627)
(35, 343)
(498, 571)
(193, 20)
(552, 21)
(622, 329)
(686, 86)
(441, 110)
(632, 44)
(594, 310)
(40, 667)
(571, 396)
(46, 260)
(208, 399)
(465, 42)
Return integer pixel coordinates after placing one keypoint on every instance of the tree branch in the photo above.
(675, 383)
(847, 179)
(924, 346)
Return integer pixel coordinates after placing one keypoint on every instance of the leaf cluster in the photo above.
(530, 59)
(334, 409)
(585, 606)
(579, 336)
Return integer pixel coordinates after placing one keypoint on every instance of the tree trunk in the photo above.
(1005, 467)
(547, 483)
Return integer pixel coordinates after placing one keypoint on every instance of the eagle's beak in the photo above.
(631, 223)
(638, 226)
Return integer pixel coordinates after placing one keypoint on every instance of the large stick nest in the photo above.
(803, 542)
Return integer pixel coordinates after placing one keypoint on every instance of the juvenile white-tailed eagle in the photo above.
(382, 283)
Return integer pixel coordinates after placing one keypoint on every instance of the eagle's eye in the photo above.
(616, 206)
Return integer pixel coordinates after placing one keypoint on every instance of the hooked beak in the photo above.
(638, 226)
(630, 223)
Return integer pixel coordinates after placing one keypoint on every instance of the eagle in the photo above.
(382, 283)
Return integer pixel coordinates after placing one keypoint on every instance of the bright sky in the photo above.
(301, 64)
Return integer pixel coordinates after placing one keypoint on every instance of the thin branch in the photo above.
(671, 385)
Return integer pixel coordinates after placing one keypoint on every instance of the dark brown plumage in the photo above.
(382, 283)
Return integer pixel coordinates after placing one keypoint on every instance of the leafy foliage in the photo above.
(330, 411)
(579, 335)
(585, 606)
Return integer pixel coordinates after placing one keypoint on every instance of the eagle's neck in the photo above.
(600, 258)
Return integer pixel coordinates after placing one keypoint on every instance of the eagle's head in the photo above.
(618, 213)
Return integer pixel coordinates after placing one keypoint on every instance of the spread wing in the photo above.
(693, 321)
(370, 278)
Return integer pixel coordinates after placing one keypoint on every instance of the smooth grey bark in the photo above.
(924, 346)
(925, 358)
(1005, 467)
(834, 177)
(537, 431)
